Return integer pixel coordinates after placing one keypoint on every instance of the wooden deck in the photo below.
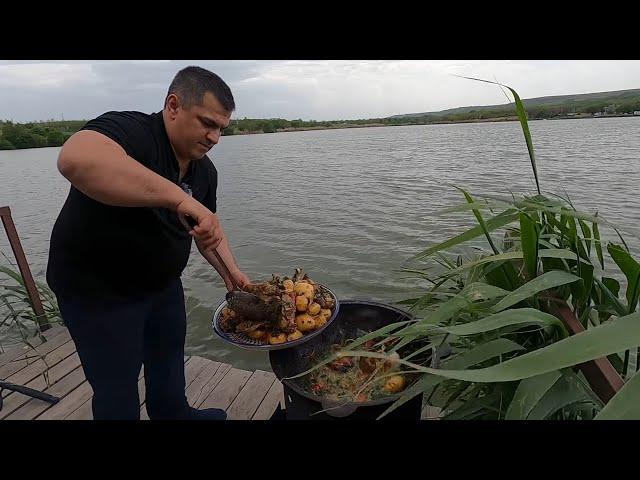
(245, 395)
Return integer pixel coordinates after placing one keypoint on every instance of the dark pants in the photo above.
(115, 338)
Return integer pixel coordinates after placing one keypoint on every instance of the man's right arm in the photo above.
(101, 169)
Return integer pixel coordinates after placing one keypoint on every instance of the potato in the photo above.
(394, 384)
(274, 339)
(294, 336)
(302, 288)
(256, 334)
(319, 320)
(302, 303)
(314, 308)
(288, 285)
(325, 313)
(305, 322)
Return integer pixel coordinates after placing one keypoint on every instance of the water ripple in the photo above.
(351, 205)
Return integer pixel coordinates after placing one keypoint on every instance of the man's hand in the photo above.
(207, 230)
(240, 278)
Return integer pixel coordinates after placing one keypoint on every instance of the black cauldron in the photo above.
(354, 319)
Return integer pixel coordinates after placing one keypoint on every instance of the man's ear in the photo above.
(172, 103)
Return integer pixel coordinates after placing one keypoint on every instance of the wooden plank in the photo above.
(227, 390)
(79, 408)
(15, 351)
(194, 390)
(211, 385)
(54, 331)
(25, 352)
(270, 402)
(193, 368)
(83, 412)
(31, 356)
(16, 399)
(69, 403)
(40, 366)
(431, 413)
(251, 395)
(35, 407)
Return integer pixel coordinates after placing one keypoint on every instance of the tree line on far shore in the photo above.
(54, 133)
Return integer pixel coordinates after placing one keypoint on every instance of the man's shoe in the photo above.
(207, 414)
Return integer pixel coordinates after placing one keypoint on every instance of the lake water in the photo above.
(350, 206)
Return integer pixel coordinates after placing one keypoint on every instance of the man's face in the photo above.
(195, 130)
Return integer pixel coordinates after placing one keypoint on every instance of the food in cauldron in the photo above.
(298, 306)
(359, 379)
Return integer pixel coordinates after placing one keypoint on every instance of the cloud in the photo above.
(320, 90)
(45, 76)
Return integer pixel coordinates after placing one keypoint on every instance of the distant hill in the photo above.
(557, 100)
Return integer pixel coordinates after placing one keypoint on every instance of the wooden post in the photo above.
(604, 379)
(25, 271)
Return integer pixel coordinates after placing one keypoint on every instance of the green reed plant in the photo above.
(487, 311)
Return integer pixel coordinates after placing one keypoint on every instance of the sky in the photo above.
(32, 90)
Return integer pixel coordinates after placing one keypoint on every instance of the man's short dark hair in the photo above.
(191, 83)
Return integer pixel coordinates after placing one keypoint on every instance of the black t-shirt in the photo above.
(98, 249)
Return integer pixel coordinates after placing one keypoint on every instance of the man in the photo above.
(122, 240)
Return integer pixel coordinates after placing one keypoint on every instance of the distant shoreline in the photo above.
(441, 122)
(618, 103)
(369, 125)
